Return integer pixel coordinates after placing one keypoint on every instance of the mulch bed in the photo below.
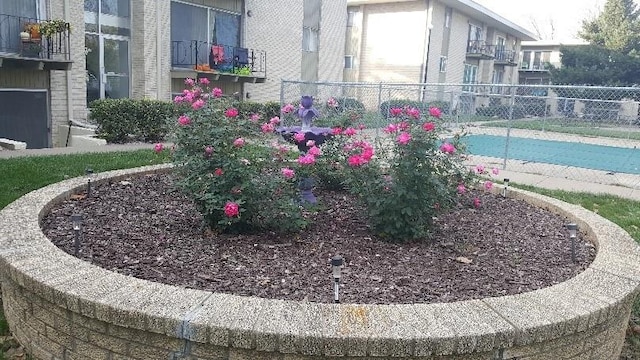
(144, 227)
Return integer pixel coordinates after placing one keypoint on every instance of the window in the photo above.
(443, 64)
(469, 76)
(497, 78)
(351, 14)
(475, 33)
(309, 39)
(19, 11)
(447, 17)
(348, 62)
(526, 60)
(200, 27)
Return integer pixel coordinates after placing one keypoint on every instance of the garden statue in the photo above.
(315, 135)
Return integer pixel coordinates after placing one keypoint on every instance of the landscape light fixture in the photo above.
(89, 172)
(573, 232)
(336, 268)
(76, 221)
(506, 187)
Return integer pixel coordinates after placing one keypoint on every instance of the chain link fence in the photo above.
(573, 132)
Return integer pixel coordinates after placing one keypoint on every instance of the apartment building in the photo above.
(536, 57)
(430, 41)
(146, 48)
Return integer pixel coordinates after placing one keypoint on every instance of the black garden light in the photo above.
(76, 221)
(573, 232)
(506, 187)
(89, 172)
(336, 268)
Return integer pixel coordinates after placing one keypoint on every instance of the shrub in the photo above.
(247, 108)
(271, 109)
(342, 111)
(242, 184)
(125, 120)
(502, 111)
(413, 176)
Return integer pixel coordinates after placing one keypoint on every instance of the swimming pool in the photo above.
(589, 156)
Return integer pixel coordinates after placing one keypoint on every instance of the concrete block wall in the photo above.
(61, 307)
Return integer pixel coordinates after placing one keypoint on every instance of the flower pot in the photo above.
(25, 36)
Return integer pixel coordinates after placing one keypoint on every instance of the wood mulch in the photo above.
(144, 227)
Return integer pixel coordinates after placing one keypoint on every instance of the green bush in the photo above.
(126, 120)
(502, 111)
(271, 109)
(247, 108)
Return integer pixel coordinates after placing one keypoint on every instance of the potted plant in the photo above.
(33, 30)
(49, 28)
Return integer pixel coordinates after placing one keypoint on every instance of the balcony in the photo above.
(535, 66)
(505, 57)
(218, 62)
(479, 49)
(22, 45)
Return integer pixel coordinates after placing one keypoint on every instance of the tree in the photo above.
(596, 65)
(616, 28)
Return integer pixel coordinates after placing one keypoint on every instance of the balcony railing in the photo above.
(215, 58)
(505, 57)
(535, 66)
(20, 38)
(479, 49)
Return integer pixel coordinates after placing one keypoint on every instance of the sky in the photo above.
(566, 15)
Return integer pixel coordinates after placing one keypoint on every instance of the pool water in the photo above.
(589, 156)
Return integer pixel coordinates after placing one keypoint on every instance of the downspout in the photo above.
(67, 16)
(425, 69)
(158, 55)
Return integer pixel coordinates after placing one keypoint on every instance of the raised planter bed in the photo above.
(61, 307)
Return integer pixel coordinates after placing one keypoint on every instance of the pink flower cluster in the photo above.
(195, 95)
(332, 102)
(363, 153)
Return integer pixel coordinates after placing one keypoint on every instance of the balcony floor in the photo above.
(10, 60)
(183, 73)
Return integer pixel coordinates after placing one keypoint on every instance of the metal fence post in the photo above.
(506, 143)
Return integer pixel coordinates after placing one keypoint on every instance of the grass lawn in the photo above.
(567, 127)
(22, 175)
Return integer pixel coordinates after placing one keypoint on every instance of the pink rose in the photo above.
(428, 126)
(267, 128)
(218, 172)
(314, 150)
(208, 150)
(404, 138)
(231, 112)
(178, 99)
(447, 148)
(495, 171)
(204, 81)
(461, 189)
(435, 112)
(198, 104)
(254, 117)
(231, 209)
(476, 202)
(288, 173)
(480, 169)
(216, 92)
(288, 108)
(336, 131)
(332, 102)
(307, 159)
(239, 142)
(158, 148)
(395, 112)
(274, 120)
(189, 82)
(488, 185)
(298, 137)
(413, 112)
(310, 143)
(184, 120)
(350, 131)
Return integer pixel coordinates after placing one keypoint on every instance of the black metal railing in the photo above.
(21, 36)
(535, 66)
(505, 56)
(480, 48)
(205, 56)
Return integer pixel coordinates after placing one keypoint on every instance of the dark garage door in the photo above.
(24, 116)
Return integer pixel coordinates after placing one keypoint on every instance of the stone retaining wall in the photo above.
(60, 307)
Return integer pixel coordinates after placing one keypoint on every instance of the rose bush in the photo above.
(245, 177)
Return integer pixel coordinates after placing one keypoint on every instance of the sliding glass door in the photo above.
(107, 38)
